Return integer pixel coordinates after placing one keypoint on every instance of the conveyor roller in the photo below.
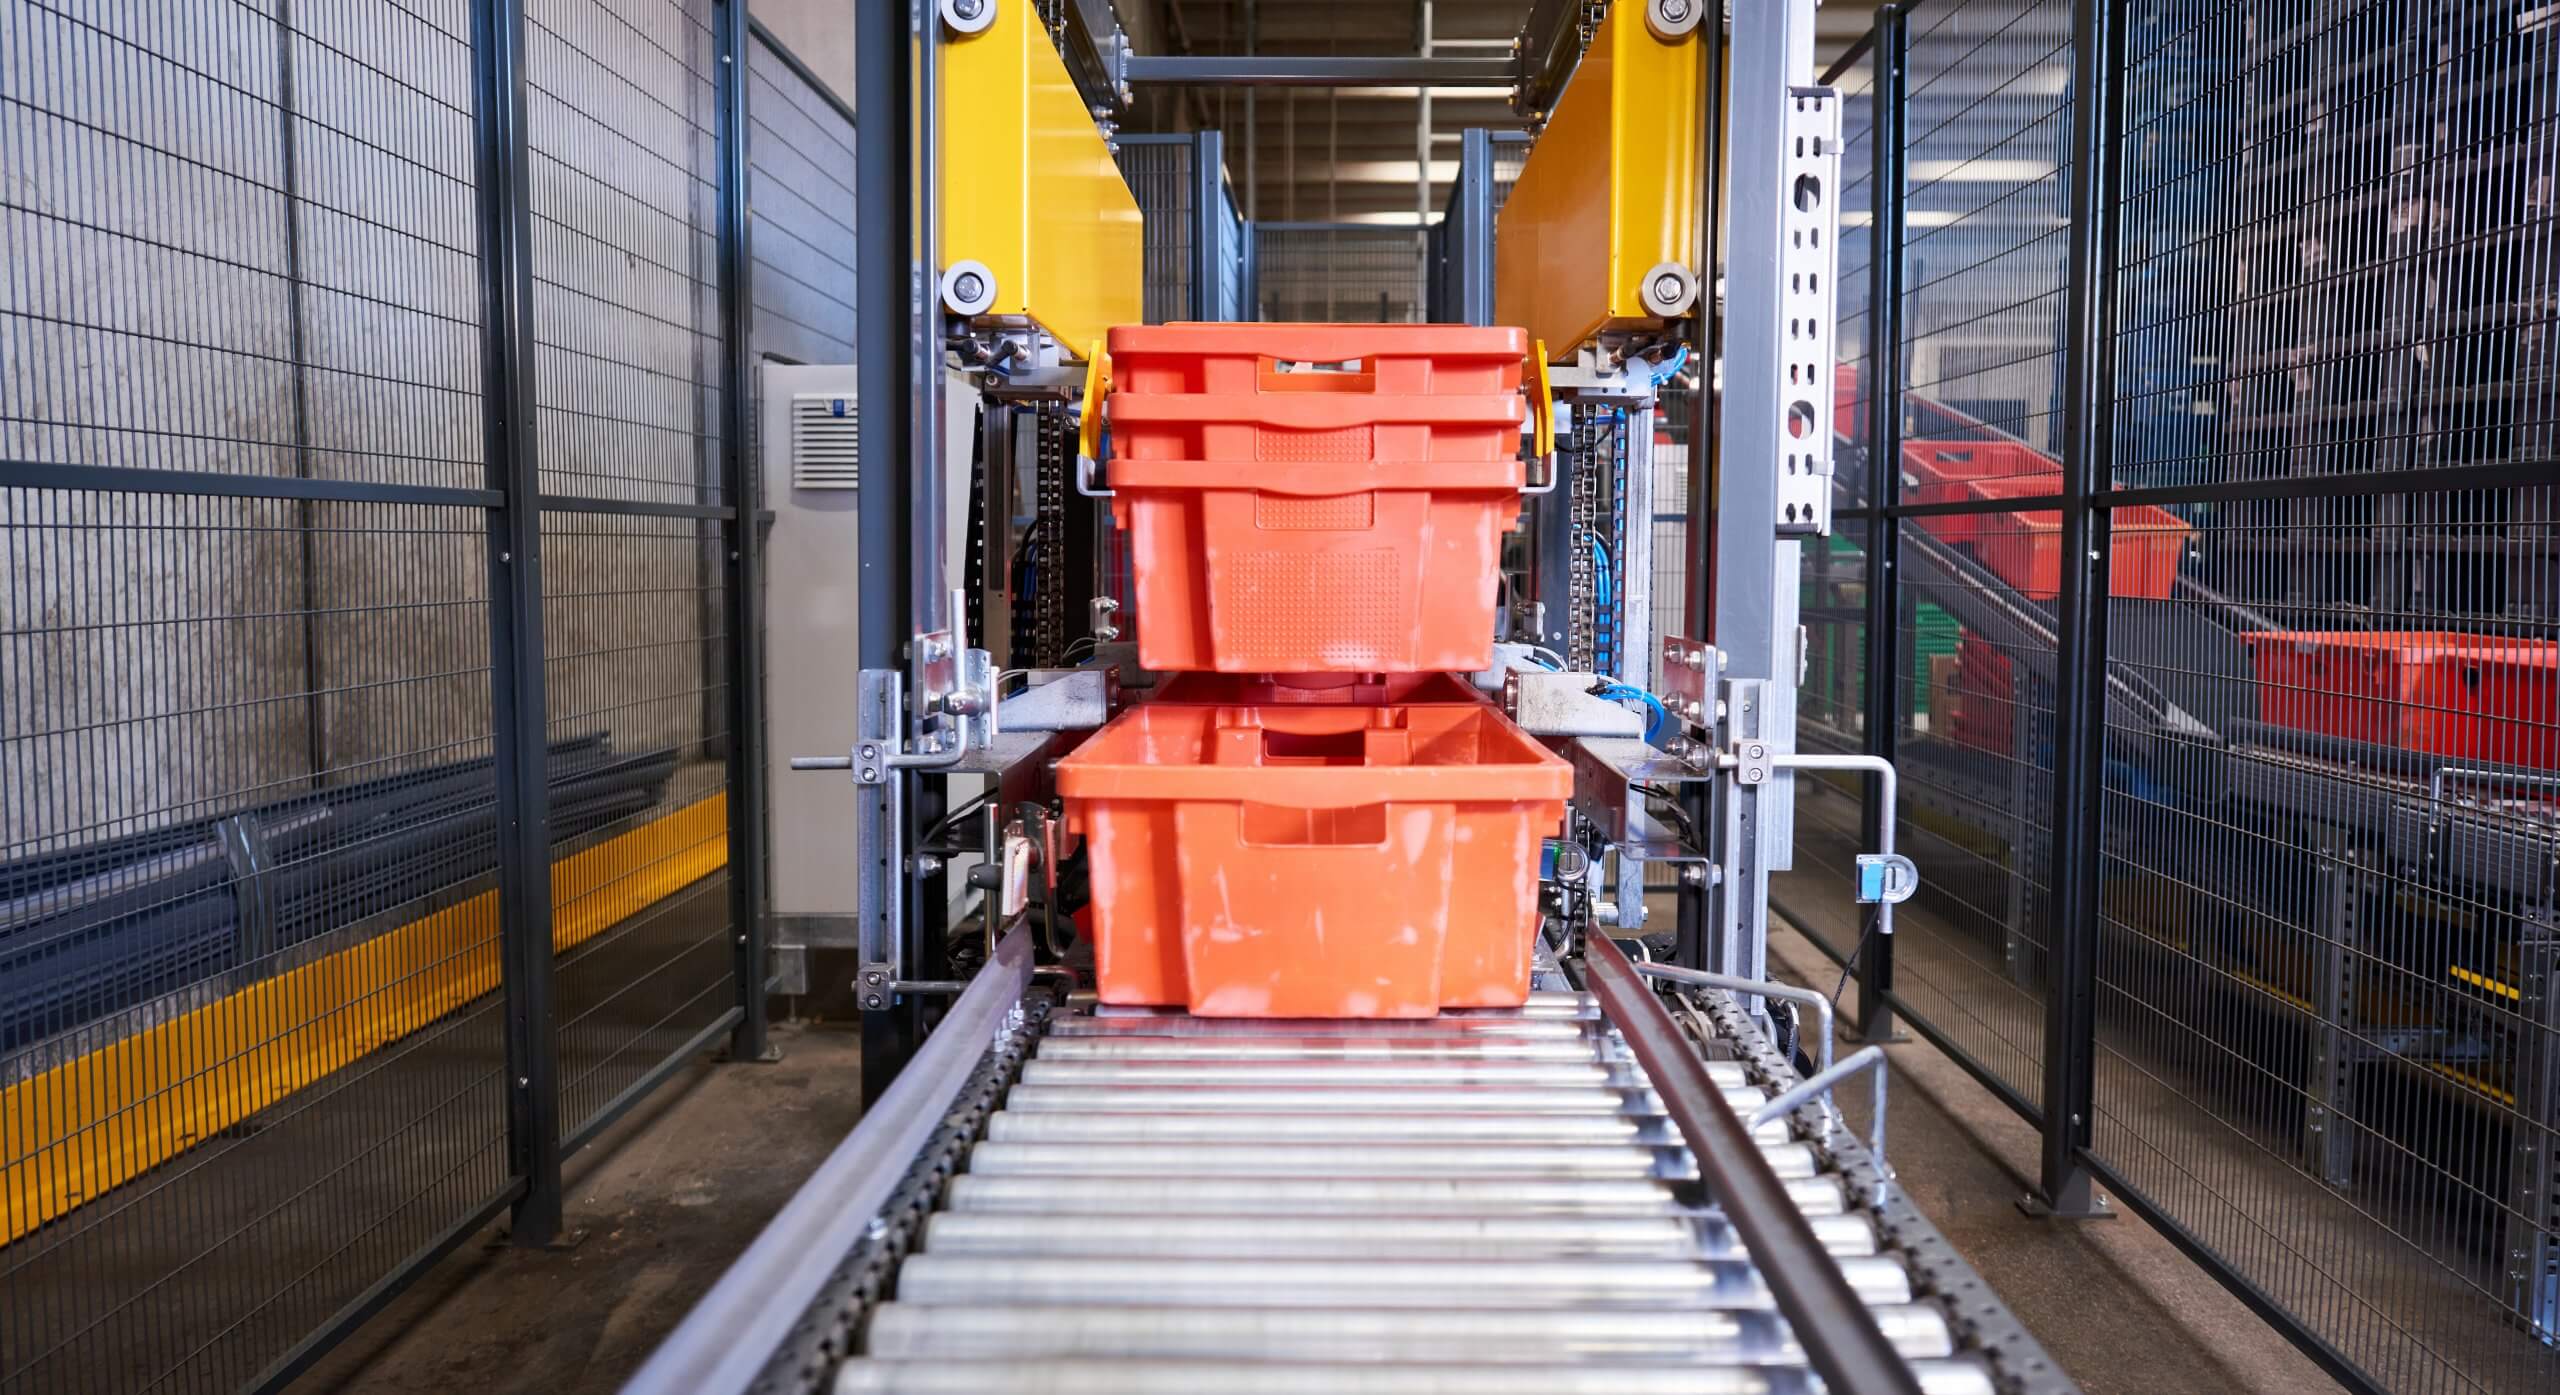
(1482, 1203)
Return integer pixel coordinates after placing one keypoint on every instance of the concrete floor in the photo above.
(672, 1194)
(665, 1200)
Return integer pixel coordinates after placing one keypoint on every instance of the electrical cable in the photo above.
(1875, 917)
(1615, 692)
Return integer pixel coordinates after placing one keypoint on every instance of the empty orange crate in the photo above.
(1315, 394)
(2488, 698)
(1314, 861)
(2025, 550)
(1316, 569)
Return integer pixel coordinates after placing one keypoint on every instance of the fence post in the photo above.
(884, 246)
(2080, 660)
(1874, 1016)
(742, 587)
(519, 738)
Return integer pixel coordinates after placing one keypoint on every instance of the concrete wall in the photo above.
(166, 658)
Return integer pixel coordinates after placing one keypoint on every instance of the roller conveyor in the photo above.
(1312, 1287)
(1484, 1202)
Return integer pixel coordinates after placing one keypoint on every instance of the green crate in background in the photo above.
(1835, 672)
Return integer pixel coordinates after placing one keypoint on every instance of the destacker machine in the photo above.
(1246, 757)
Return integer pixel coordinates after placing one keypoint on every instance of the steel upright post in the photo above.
(1208, 225)
(1694, 911)
(744, 568)
(517, 705)
(2080, 662)
(884, 243)
(1874, 1016)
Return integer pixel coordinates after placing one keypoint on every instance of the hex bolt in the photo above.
(1675, 11)
(927, 864)
(1693, 875)
(971, 9)
(969, 285)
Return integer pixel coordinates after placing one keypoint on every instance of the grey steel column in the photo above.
(883, 263)
(742, 583)
(1756, 571)
(1696, 898)
(1884, 659)
(1208, 224)
(2080, 660)
(518, 743)
(1473, 252)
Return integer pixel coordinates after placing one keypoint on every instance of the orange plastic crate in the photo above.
(1315, 394)
(1306, 861)
(2488, 698)
(2025, 550)
(1395, 360)
(1316, 569)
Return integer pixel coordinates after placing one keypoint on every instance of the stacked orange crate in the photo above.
(1316, 818)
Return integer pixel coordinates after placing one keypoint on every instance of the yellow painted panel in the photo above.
(74, 1132)
(1029, 189)
(1610, 190)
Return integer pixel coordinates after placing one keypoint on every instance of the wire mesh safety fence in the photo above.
(261, 797)
(1346, 273)
(1158, 168)
(2321, 1023)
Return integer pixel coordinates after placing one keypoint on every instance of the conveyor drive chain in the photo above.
(820, 1342)
(1483, 1202)
(1983, 1325)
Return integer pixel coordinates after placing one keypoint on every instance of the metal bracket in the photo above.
(1689, 669)
(1060, 700)
(1547, 703)
(1750, 762)
(1887, 878)
(876, 981)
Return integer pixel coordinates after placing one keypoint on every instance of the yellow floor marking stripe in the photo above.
(93, 1123)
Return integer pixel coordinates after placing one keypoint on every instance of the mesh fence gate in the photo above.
(2304, 1014)
(371, 762)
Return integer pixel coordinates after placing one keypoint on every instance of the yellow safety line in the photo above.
(2480, 980)
(95, 1122)
(2470, 1081)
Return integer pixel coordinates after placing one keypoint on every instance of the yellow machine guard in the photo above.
(1029, 189)
(1610, 190)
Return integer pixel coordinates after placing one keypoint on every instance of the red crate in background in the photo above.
(1303, 861)
(2025, 550)
(1985, 696)
(1947, 472)
(1316, 394)
(2487, 698)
